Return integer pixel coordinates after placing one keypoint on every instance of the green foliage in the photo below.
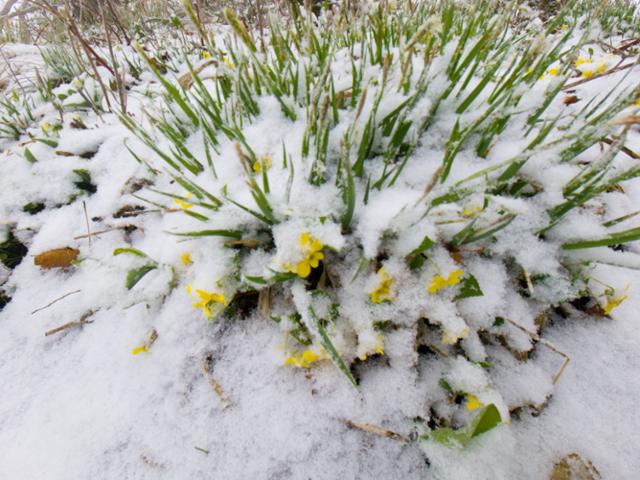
(487, 419)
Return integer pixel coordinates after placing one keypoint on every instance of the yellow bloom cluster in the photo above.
(304, 359)
(590, 72)
(263, 164)
(439, 282)
(312, 250)
(382, 292)
(208, 301)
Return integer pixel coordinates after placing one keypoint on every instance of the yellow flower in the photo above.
(312, 250)
(206, 55)
(553, 71)
(582, 60)
(183, 204)
(263, 164)
(208, 300)
(472, 210)
(637, 103)
(378, 347)
(383, 290)
(587, 73)
(304, 359)
(614, 302)
(46, 126)
(185, 258)
(602, 68)
(473, 403)
(140, 349)
(451, 339)
(228, 62)
(439, 282)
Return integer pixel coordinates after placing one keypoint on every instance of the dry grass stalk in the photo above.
(55, 301)
(75, 324)
(547, 344)
(206, 368)
(367, 427)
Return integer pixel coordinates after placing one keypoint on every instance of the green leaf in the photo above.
(131, 251)
(29, 156)
(326, 343)
(415, 258)
(488, 418)
(469, 287)
(237, 234)
(136, 274)
(617, 238)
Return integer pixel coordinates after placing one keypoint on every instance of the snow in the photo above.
(79, 404)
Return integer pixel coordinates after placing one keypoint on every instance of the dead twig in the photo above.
(206, 368)
(86, 219)
(79, 323)
(626, 150)
(547, 344)
(367, 427)
(56, 300)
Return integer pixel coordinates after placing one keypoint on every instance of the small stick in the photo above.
(547, 344)
(83, 321)
(203, 450)
(626, 150)
(529, 282)
(56, 300)
(93, 234)
(206, 368)
(367, 427)
(86, 219)
(264, 302)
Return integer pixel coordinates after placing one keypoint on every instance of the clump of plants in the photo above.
(414, 168)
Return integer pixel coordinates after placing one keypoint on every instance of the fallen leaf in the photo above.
(569, 99)
(574, 467)
(57, 258)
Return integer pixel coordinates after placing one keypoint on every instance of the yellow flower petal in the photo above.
(473, 403)
(438, 283)
(553, 71)
(303, 269)
(140, 349)
(587, 73)
(304, 240)
(615, 302)
(582, 60)
(454, 277)
(185, 258)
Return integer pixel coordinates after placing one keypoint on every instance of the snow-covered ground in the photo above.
(77, 404)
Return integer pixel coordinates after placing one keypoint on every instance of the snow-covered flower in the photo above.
(614, 301)
(382, 293)
(185, 259)
(263, 164)
(439, 282)
(211, 303)
(473, 403)
(312, 254)
(304, 359)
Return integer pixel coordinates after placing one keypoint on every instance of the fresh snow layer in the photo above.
(78, 404)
